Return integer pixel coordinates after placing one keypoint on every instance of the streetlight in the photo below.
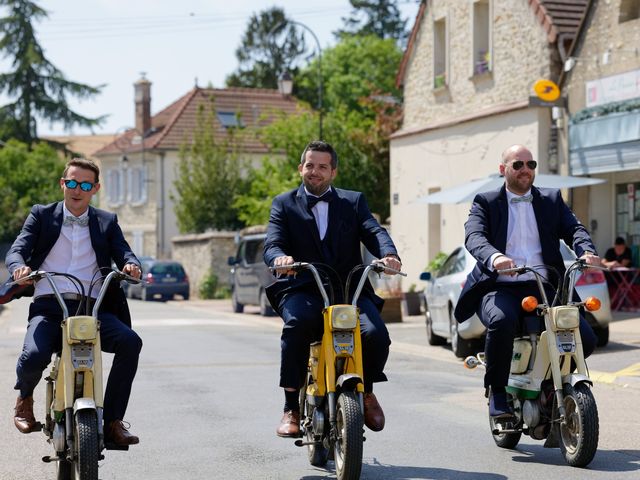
(286, 82)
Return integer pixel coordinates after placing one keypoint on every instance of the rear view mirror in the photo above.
(231, 261)
(426, 276)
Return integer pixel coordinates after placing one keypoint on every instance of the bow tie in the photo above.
(70, 220)
(325, 197)
(524, 198)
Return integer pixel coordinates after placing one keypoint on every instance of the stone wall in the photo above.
(202, 252)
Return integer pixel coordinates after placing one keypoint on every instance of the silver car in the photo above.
(444, 287)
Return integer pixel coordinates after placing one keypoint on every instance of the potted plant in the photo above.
(411, 302)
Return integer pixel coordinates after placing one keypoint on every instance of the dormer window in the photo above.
(229, 119)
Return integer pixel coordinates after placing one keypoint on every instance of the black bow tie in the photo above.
(325, 197)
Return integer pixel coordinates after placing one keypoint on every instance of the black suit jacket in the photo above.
(292, 231)
(486, 234)
(41, 231)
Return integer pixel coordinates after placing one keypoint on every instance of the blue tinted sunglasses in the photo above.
(84, 186)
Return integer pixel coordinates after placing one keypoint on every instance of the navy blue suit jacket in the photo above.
(486, 234)
(292, 231)
(41, 231)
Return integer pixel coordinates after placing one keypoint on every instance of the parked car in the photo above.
(444, 287)
(124, 284)
(161, 278)
(249, 275)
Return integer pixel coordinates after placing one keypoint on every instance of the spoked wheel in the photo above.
(348, 446)
(579, 432)
(318, 454)
(505, 440)
(86, 440)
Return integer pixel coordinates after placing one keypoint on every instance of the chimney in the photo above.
(142, 90)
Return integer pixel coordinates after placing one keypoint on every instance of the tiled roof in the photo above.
(175, 124)
(85, 145)
(558, 18)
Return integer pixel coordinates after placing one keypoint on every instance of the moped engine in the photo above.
(58, 438)
(531, 413)
(317, 421)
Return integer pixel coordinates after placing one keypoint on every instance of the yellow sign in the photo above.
(546, 90)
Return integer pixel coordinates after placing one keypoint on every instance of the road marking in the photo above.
(611, 377)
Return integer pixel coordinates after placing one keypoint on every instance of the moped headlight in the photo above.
(566, 317)
(81, 328)
(344, 317)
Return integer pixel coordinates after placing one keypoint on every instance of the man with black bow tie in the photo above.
(516, 225)
(318, 223)
(73, 237)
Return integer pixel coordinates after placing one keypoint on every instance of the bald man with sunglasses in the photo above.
(73, 237)
(516, 225)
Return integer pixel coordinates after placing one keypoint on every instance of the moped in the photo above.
(549, 388)
(331, 400)
(74, 394)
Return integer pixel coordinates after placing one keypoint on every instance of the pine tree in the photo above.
(374, 17)
(40, 90)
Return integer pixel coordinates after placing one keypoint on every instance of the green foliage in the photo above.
(26, 178)
(269, 47)
(207, 179)
(210, 288)
(38, 87)
(437, 262)
(374, 17)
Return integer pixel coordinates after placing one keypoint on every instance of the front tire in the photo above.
(86, 440)
(579, 432)
(348, 446)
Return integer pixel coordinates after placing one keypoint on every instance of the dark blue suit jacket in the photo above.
(486, 234)
(41, 231)
(292, 231)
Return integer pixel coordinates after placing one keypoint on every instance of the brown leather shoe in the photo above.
(373, 414)
(23, 417)
(115, 432)
(289, 425)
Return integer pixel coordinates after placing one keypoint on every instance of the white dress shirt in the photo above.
(321, 213)
(523, 239)
(72, 253)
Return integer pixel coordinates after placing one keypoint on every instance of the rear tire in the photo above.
(579, 434)
(86, 440)
(237, 306)
(432, 338)
(348, 446)
(317, 453)
(63, 470)
(505, 440)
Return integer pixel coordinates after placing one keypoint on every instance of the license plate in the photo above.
(170, 280)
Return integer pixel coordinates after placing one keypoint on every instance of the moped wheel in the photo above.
(63, 470)
(318, 454)
(504, 440)
(86, 440)
(579, 433)
(348, 446)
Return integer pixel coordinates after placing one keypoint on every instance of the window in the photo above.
(481, 37)
(115, 186)
(229, 119)
(137, 185)
(628, 212)
(629, 10)
(440, 53)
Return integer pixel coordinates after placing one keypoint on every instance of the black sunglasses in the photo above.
(518, 164)
(84, 186)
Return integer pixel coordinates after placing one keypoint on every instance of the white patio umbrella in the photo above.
(467, 191)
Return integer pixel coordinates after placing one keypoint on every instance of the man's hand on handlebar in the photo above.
(591, 259)
(281, 262)
(133, 270)
(22, 272)
(393, 263)
(504, 263)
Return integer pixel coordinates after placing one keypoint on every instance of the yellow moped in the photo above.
(549, 387)
(331, 400)
(74, 392)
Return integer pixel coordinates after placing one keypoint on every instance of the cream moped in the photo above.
(74, 394)
(549, 387)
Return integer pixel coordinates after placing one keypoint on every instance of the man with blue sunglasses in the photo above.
(73, 237)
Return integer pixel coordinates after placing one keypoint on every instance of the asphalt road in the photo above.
(206, 404)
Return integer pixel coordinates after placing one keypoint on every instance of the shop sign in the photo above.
(613, 89)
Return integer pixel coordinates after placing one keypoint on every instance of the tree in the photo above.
(269, 47)
(26, 178)
(207, 179)
(374, 17)
(39, 88)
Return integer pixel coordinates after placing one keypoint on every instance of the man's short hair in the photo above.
(320, 146)
(82, 163)
(619, 241)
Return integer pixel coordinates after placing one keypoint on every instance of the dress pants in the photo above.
(500, 311)
(44, 337)
(303, 324)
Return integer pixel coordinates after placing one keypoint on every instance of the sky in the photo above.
(176, 44)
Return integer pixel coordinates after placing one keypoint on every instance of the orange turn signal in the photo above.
(592, 304)
(529, 304)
